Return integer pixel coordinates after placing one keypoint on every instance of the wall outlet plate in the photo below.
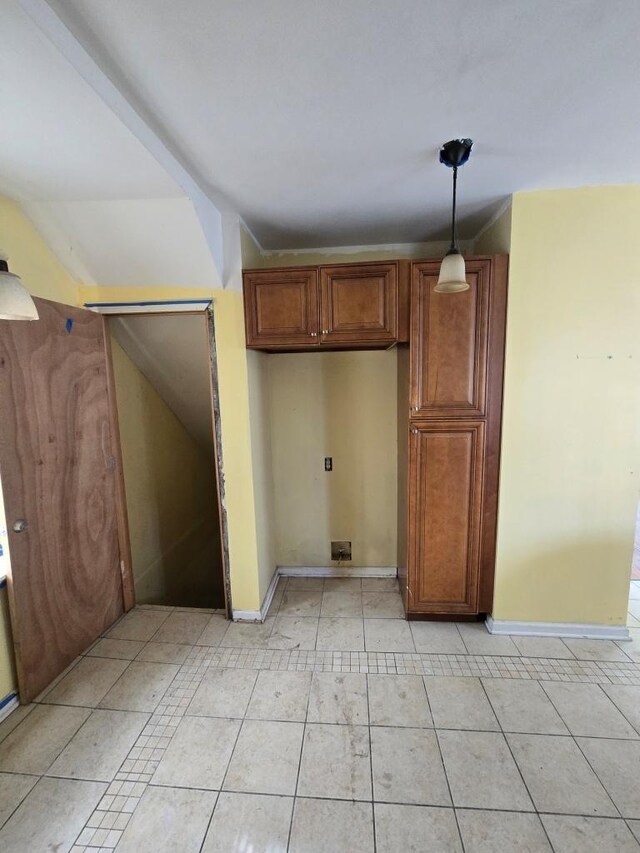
(341, 550)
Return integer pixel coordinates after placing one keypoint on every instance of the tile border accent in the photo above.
(557, 629)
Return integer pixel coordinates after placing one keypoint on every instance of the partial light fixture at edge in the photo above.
(452, 278)
(16, 302)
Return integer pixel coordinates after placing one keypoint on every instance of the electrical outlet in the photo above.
(328, 463)
(341, 550)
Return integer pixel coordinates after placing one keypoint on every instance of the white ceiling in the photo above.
(321, 121)
(172, 352)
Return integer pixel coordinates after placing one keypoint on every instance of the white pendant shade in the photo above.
(15, 300)
(452, 278)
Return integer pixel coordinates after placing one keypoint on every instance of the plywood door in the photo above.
(281, 308)
(359, 303)
(445, 512)
(58, 475)
(449, 335)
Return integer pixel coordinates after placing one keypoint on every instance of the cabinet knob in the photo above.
(314, 334)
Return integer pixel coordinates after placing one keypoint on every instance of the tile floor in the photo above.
(335, 727)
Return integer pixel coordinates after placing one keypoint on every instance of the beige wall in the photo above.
(171, 501)
(343, 405)
(495, 239)
(570, 470)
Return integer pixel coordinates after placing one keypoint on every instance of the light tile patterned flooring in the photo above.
(335, 726)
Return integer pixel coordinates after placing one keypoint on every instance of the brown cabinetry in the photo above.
(351, 305)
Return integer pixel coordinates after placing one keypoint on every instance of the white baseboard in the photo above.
(7, 705)
(335, 572)
(557, 629)
(310, 572)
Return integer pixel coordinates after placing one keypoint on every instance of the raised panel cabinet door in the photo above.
(359, 303)
(281, 308)
(445, 512)
(449, 335)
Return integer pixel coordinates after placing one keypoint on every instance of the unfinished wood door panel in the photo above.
(281, 308)
(58, 474)
(445, 510)
(359, 303)
(449, 333)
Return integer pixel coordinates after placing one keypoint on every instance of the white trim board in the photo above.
(573, 630)
(151, 307)
(309, 572)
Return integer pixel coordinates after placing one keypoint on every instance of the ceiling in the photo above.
(320, 122)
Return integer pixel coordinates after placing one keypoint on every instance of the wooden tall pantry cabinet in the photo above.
(450, 372)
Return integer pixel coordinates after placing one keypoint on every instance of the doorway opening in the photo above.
(163, 367)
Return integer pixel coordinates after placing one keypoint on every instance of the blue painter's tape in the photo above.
(69, 325)
(3, 583)
(8, 698)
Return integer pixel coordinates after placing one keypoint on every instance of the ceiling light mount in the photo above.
(452, 278)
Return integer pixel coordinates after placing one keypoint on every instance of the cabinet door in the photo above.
(359, 303)
(445, 510)
(281, 308)
(449, 344)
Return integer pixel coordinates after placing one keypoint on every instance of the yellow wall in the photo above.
(171, 498)
(343, 405)
(571, 439)
(495, 239)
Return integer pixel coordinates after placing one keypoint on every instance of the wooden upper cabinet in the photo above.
(281, 308)
(445, 515)
(359, 303)
(448, 342)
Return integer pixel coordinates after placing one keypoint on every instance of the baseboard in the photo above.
(7, 705)
(557, 629)
(335, 572)
(259, 615)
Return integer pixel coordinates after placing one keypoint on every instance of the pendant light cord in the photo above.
(453, 209)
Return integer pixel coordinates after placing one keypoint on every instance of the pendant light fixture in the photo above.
(452, 278)
(15, 300)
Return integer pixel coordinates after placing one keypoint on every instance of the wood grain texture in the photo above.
(58, 473)
(281, 308)
(445, 514)
(358, 303)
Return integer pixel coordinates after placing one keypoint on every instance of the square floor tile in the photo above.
(243, 635)
(304, 583)
(98, 749)
(459, 703)
(481, 771)
(330, 826)
(488, 832)
(387, 635)
(293, 632)
(416, 829)
(249, 823)
(121, 649)
(543, 647)
(33, 745)
(214, 631)
(14, 719)
(559, 777)
(382, 605)
(595, 650)
(168, 820)
(141, 687)
(347, 584)
(479, 641)
(301, 602)
(335, 762)
(407, 767)
(341, 602)
(13, 789)
(437, 638)
(340, 634)
(138, 624)
(223, 693)
(631, 648)
(198, 754)
(398, 700)
(51, 816)
(571, 834)
(280, 696)
(338, 697)
(380, 585)
(182, 627)
(523, 706)
(617, 765)
(587, 710)
(626, 698)
(163, 653)
(87, 683)
(266, 758)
